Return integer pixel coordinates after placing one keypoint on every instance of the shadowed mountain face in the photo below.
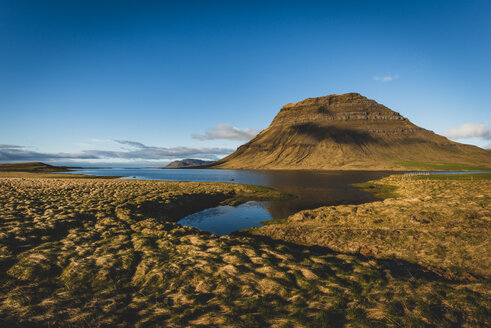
(320, 133)
(347, 132)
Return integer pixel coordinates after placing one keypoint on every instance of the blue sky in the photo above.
(150, 81)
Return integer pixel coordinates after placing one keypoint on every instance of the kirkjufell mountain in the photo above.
(348, 132)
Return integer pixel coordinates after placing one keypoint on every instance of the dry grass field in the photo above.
(108, 253)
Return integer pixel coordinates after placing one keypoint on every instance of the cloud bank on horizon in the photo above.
(136, 151)
(227, 131)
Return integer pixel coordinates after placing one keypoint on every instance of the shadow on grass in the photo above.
(396, 268)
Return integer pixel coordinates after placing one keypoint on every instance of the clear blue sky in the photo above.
(108, 81)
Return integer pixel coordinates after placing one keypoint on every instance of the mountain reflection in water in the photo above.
(312, 188)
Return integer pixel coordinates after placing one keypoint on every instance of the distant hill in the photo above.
(32, 167)
(189, 162)
(349, 132)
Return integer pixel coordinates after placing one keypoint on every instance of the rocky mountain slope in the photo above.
(350, 131)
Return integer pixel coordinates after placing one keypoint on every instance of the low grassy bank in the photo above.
(441, 166)
(439, 222)
(42, 170)
(32, 167)
(99, 253)
(42, 175)
(454, 177)
(379, 190)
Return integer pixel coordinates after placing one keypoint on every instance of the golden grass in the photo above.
(93, 253)
(440, 222)
(41, 175)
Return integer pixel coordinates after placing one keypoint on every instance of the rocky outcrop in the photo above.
(347, 131)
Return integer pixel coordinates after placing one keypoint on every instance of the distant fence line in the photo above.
(412, 174)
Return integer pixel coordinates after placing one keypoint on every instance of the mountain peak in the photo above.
(348, 106)
(347, 131)
(350, 97)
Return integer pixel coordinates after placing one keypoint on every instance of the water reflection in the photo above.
(223, 220)
(312, 188)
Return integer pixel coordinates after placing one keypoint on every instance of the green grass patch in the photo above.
(440, 177)
(442, 166)
(275, 195)
(32, 167)
(274, 221)
(379, 190)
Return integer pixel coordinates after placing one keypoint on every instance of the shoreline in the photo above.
(413, 210)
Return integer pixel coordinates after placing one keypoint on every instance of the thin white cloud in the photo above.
(4, 146)
(134, 144)
(227, 131)
(83, 145)
(100, 140)
(387, 78)
(139, 152)
(469, 130)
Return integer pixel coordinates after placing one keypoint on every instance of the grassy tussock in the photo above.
(382, 191)
(440, 222)
(98, 253)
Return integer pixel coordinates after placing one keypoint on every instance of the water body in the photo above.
(311, 188)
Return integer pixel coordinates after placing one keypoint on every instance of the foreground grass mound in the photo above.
(441, 222)
(108, 253)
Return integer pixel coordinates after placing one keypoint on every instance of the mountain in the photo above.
(349, 132)
(188, 162)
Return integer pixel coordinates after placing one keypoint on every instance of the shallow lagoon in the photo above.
(311, 188)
